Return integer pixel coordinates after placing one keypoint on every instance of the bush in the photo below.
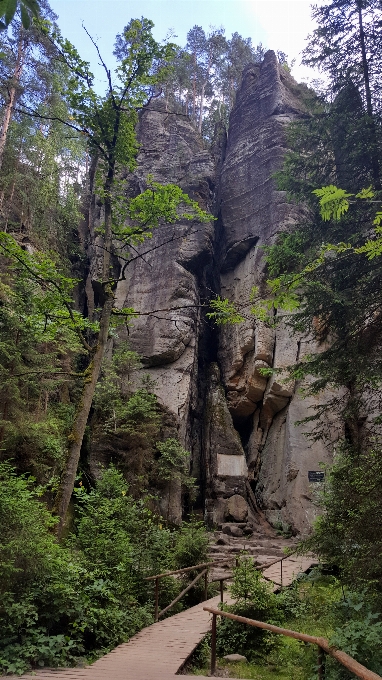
(255, 600)
(359, 635)
(191, 544)
(38, 581)
(61, 602)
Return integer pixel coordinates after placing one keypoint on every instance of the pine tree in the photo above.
(347, 47)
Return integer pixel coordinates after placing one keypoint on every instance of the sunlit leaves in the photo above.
(51, 315)
(224, 312)
(333, 202)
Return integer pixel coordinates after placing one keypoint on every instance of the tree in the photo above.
(109, 125)
(26, 69)
(240, 52)
(173, 466)
(329, 272)
(196, 42)
(211, 53)
(347, 47)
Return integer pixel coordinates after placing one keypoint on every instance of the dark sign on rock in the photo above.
(316, 476)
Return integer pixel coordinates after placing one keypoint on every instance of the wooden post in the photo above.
(321, 664)
(156, 598)
(213, 645)
(206, 586)
(221, 590)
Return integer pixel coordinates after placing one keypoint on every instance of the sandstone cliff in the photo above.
(240, 427)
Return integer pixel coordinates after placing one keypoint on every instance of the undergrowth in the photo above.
(316, 604)
(63, 603)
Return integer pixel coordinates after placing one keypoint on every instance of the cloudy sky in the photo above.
(278, 24)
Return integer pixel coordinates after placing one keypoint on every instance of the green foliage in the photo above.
(116, 407)
(191, 545)
(120, 537)
(255, 600)
(333, 202)
(224, 312)
(173, 463)
(52, 314)
(28, 9)
(205, 77)
(359, 634)
(62, 602)
(35, 367)
(109, 122)
(347, 534)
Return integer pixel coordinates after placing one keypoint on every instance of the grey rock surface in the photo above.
(237, 422)
(253, 212)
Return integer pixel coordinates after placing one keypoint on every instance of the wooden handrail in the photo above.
(351, 664)
(210, 564)
(180, 571)
(204, 565)
(198, 577)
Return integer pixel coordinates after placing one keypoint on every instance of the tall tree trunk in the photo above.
(12, 94)
(201, 107)
(92, 374)
(369, 105)
(194, 91)
(78, 430)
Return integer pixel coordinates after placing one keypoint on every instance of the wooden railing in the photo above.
(204, 566)
(322, 643)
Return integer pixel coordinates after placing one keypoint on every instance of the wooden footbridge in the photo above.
(160, 651)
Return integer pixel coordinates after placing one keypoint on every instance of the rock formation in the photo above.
(239, 425)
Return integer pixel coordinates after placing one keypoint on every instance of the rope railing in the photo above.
(322, 643)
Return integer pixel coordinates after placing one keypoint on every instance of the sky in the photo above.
(277, 24)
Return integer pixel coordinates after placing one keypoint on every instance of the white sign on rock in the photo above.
(231, 466)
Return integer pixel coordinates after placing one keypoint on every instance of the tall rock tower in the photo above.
(251, 215)
(240, 426)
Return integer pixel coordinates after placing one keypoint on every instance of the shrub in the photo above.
(359, 635)
(255, 600)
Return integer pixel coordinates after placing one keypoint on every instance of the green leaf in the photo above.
(224, 312)
(25, 18)
(366, 193)
(10, 10)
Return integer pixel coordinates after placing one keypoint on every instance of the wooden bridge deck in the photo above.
(291, 567)
(159, 651)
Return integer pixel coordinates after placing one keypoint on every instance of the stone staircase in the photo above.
(258, 539)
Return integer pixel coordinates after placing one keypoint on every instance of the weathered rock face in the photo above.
(238, 424)
(252, 213)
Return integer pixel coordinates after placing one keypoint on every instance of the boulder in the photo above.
(236, 509)
(234, 657)
(222, 540)
(236, 531)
